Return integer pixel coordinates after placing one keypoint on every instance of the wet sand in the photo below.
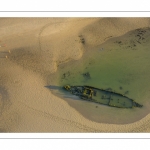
(37, 48)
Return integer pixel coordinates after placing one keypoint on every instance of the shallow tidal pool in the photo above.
(121, 64)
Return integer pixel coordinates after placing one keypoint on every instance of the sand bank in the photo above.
(38, 46)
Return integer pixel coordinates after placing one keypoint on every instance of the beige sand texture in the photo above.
(31, 50)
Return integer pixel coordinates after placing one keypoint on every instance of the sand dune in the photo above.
(37, 46)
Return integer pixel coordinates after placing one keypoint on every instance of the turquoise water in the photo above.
(121, 64)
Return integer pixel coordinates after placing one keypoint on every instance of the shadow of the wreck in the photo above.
(61, 92)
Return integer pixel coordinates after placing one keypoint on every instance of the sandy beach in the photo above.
(31, 50)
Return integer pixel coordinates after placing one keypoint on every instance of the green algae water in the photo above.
(122, 65)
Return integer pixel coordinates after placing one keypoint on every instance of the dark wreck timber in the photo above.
(102, 96)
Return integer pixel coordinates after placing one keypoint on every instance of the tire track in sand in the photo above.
(65, 121)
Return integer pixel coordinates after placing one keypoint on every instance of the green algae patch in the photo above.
(122, 65)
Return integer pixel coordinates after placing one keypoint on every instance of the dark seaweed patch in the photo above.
(138, 37)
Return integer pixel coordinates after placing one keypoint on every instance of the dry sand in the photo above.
(37, 46)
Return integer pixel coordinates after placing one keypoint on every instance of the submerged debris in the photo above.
(120, 88)
(127, 92)
(86, 75)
